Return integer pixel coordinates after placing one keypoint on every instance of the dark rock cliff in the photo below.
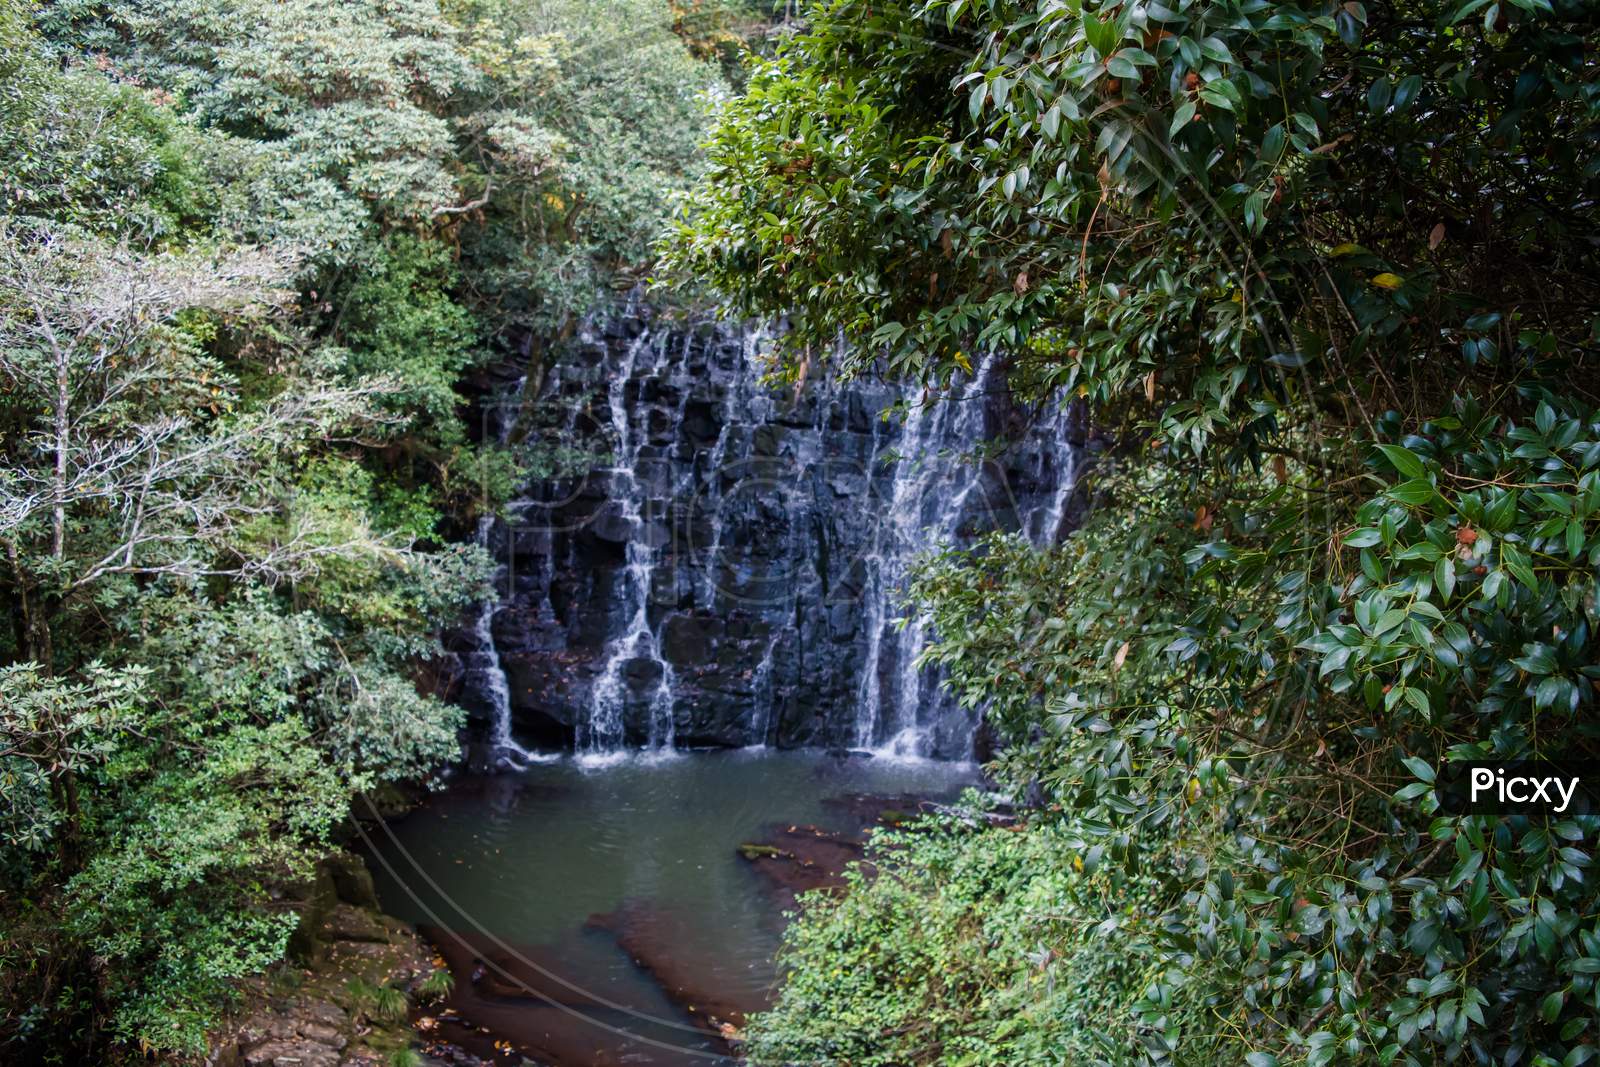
(728, 573)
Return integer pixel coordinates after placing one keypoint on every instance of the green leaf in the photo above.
(1515, 560)
(1378, 96)
(1415, 492)
(1419, 767)
(1182, 118)
(1407, 462)
(1444, 578)
(1214, 49)
(1101, 33)
(1405, 94)
(1051, 121)
(1500, 513)
(1119, 66)
(1272, 143)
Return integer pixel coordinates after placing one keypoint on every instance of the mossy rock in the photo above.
(752, 851)
(318, 898)
(352, 880)
(385, 801)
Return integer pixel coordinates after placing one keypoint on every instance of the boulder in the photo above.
(352, 881)
(292, 1052)
(688, 640)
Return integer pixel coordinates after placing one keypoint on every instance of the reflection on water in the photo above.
(583, 894)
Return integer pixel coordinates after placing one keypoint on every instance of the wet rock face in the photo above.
(729, 573)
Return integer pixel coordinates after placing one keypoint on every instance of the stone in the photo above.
(741, 511)
(323, 1035)
(351, 880)
(660, 942)
(321, 1012)
(347, 923)
(642, 673)
(293, 1052)
(687, 640)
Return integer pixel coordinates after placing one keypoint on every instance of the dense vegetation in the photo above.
(1328, 272)
(250, 249)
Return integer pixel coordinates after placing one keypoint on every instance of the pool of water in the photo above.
(606, 910)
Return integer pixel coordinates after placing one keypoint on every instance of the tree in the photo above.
(1324, 270)
(249, 252)
(136, 475)
(148, 468)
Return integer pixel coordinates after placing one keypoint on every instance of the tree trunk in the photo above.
(58, 512)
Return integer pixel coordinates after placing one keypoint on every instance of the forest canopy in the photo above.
(252, 254)
(1327, 273)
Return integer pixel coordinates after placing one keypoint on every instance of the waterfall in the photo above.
(484, 673)
(761, 714)
(933, 482)
(603, 731)
(734, 572)
(742, 401)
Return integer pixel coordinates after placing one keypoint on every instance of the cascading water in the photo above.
(603, 731)
(932, 487)
(484, 674)
(733, 573)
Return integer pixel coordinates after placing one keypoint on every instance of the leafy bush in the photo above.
(1323, 271)
(967, 944)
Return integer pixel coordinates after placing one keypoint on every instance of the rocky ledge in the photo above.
(346, 995)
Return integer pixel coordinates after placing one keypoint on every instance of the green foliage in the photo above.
(341, 99)
(405, 1057)
(587, 125)
(54, 728)
(77, 148)
(361, 995)
(1324, 269)
(1246, 711)
(249, 252)
(969, 944)
(389, 1004)
(723, 29)
(398, 320)
(173, 898)
(151, 520)
(382, 1002)
(437, 985)
(1199, 191)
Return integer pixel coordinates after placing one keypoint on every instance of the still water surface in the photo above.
(539, 874)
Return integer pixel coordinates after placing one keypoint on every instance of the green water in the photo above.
(517, 864)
